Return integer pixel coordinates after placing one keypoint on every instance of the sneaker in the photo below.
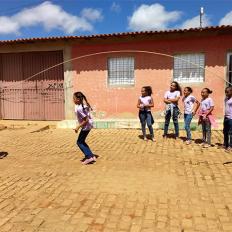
(87, 161)
(82, 160)
(188, 142)
(94, 158)
(153, 140)
(145, 139)
(206, 145)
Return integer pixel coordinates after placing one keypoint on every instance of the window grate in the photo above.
(188, 68)
(121, 71)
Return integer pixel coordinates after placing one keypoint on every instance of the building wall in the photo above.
(50, 46)
(90, 73)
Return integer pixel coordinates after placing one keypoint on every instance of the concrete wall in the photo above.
(90, 74)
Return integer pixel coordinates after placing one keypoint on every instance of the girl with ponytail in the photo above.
(82, 111)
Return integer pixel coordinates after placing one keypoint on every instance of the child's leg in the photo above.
(175, 121)
(82, 145)
(187, 122)
(149, 124)
(230, 133)
(208, 132)
(226, 128)
(167, 121)
(203, 131)
(142, 118)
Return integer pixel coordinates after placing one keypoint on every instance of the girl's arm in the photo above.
(196, 107)
(210, 111)
(175, 100)
(85, 121)
(167, 101)
(138, 104)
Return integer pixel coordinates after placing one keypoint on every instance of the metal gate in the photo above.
(37, 98)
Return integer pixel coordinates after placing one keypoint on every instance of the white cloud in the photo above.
(227, 20)
(195, 22)
(92, 14)
(152, 17)
(50, 16)
(8, 26)
(115, 7)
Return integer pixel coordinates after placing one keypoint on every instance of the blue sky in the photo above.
(36, 18)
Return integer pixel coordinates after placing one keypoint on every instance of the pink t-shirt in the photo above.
(206, 104)
(82, 113)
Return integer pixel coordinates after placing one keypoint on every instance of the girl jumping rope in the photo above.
(189, 111)
(144, 104)
(171, 99)
(85, 120)
(206, 118)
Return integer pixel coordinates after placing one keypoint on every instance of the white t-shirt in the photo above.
(206, 104)
(228, 108)
(145, 101)
(83, 113)
(172, 95)
(188, 104)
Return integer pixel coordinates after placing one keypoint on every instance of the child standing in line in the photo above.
(189, 111)
(145, 102)
(227, 130)
(85, 123)
(205, 116)
(171, 99)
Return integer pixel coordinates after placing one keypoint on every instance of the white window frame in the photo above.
(118, 74)
(229, 72)
(194, 73)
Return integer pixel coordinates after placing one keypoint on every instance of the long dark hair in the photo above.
(178, 88)
(83, 98)
(148, 90)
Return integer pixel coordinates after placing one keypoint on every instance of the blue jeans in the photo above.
(175, 121)
(187, 121)
(83, 145)
(227, 131)
(146, 117)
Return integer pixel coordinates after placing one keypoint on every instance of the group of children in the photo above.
(192, 107)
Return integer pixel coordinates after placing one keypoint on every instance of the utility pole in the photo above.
(201, 16)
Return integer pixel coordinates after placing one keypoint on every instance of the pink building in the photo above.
(112, 80)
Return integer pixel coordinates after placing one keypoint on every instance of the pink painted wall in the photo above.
(154, 70)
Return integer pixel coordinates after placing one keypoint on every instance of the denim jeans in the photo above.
(175, 121)
(227, 131)
(146, 118)
(206, 131)
(83, 145)
(187, 121)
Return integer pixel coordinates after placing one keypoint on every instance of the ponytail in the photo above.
(208, 90)
(82, 97)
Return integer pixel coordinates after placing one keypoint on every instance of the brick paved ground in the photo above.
(134, 186)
